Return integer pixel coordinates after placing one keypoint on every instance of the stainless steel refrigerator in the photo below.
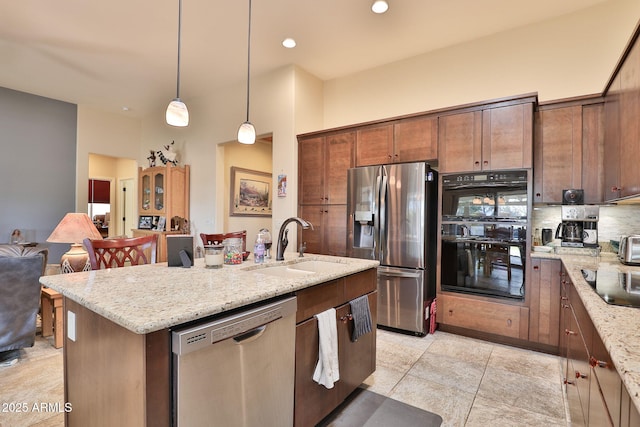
(392, 217)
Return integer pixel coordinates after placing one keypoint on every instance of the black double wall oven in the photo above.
(485, 217)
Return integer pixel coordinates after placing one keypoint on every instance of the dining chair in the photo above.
(121, 252)
(217, 239)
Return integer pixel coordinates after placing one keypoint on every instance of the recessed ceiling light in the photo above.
(379, 6)
(125, 108)
(289, 43)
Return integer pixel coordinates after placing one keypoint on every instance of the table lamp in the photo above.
(73, 229)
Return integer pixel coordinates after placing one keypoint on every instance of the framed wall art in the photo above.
(250, 193)
(146, 222)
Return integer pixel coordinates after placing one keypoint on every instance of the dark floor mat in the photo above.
(367, 409)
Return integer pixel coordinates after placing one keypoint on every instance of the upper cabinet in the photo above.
(491, 138)
(568, 139)
(323, 162)
(164, 191)
(622, 128)
(406, 140)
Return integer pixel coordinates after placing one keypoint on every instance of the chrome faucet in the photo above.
(283, 241)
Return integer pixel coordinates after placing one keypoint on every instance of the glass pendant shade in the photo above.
(177, 113)
(246, 133)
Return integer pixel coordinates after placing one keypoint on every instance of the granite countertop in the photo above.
(617, 326)
(149, 298)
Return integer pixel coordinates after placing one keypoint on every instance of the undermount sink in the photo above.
(298, 269)
(283, 271)
(315, 266)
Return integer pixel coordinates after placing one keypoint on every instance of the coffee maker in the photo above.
(579, 226)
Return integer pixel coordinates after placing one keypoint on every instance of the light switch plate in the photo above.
(71, 325)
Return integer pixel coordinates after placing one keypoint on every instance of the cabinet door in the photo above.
(598, 412)
(629, 124)
(145, 193)
(577, 375)
(544, 322)
(507, 140)
(357, 359)
(312, 401)
(592, 143)
(158, 182)
(329, 234)
(460, 142)
(559, 151)
(415, 140)
(339, 158)
(608, 380)
(611, 154)
(374, 145)
(311, 177)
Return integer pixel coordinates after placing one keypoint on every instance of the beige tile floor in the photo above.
(467, 382)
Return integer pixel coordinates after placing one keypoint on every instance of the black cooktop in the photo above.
(614, 287)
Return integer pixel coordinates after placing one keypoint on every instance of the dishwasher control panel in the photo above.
(201, 336)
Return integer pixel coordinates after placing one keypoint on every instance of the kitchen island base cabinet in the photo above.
(357, 359)
(115, 377)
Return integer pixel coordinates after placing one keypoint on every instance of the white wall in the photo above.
(570, 56)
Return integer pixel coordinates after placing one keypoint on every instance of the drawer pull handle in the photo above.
(599, 363)
(579, 375)
(569, 382)
(345, 319)
(568, 332)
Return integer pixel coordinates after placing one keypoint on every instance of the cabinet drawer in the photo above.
(318, 299)
(360, 284)
(485, 316)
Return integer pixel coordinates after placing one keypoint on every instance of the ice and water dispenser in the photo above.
(363, 229)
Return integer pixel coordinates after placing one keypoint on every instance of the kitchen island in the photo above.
(616, 326)
(117, 353)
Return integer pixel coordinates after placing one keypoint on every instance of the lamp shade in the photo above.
(74, 228)
(246, 133)
(177, 113)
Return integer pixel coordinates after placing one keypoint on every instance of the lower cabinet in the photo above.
(544, 305)
(596, 395)
(484, 316)
(357, 359)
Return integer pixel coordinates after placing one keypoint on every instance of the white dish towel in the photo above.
(327, 371)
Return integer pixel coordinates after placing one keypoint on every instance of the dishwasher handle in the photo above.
(252, 335)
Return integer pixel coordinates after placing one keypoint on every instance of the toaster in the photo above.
(629, 250)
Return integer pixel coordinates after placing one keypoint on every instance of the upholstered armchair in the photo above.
(20, 270)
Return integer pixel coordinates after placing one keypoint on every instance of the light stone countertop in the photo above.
(618, 327)
(149, 298)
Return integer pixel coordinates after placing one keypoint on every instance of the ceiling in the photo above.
(123, 53)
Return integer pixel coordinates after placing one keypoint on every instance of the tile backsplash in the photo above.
(614, 221)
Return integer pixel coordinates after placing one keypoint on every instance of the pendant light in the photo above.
(177, 113)
(246, 132)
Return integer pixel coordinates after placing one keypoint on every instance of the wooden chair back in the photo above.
(217, 239)
(112, 253)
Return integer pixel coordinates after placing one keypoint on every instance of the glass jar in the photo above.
(232, 251)
(213, 256)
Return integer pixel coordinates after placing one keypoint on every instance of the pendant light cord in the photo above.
(248, 59)
(179, 32)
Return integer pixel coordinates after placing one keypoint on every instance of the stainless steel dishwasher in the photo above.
(237, 370)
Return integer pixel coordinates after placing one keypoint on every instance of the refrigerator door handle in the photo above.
(383, 214)
(396, 273)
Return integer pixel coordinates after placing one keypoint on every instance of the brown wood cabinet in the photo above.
(596, 395)
(568, 141)
(328, 236)
(163, 192)
(493, 138)
(356, 359)
(622, 128)
(481, 315)
(406, 140)
(323, 162)
(544, 306)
